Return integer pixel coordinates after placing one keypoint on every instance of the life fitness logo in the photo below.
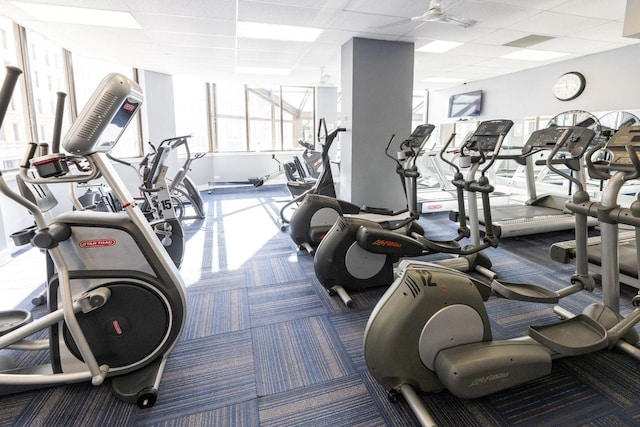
(386, 243)
(97, 243)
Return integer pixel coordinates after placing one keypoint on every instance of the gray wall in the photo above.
(611, 85)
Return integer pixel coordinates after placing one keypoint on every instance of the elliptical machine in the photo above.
(317, 213)
(182, 187)
(431, 330)
(301, 178)
(358, 253)
(324, 185)
(117, 303)
(160, 207)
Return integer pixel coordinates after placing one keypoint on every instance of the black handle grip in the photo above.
(57, 123)
(6, 92)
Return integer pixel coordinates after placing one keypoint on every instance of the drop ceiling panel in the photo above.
(613, 10)
(364, 22)
(214, 9)
(193, 40)
(399, 8)
(537, 4)
(329, 4)
(608, 31)
(449, 32)
(491, 15)
(271, 13)
(555, 24)
(482, 50)
(576, 45)
(186, 25)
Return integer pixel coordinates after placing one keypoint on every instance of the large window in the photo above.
(264, 120)
(190, 100)
(47, 72)
(13, 134)
(229, 118)
(260, 119)
(298, 107)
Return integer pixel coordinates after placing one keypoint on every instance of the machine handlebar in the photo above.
(6, 92)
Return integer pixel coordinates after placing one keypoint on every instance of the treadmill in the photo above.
(547, 213)
(565, 252)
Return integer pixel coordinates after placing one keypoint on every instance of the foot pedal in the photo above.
(525, 292)
(13, 319)
(573, 337)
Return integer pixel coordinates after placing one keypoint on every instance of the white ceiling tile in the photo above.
(490, 14)
(270, 13)
(214, 9)
(555, 24)
(186, 24)
(400, 8)
(537, 4)
(608, 31)
(576, 45)
(449, 32)
(613, 9)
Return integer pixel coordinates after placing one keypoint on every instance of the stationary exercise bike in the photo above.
(431, 330)
(317, 213)
(358, 253)
(117, 303)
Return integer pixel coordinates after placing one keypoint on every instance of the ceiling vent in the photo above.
(528, 41)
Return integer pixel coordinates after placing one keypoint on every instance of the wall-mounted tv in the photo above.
(465, 104)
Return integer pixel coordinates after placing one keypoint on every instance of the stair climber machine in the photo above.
(431, 330)
(358, 253)
(324, 185)
(317, 213)
(116, 301)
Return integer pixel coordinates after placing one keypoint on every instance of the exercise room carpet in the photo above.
(264, 344)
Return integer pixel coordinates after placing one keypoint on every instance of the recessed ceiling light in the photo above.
(256, 30)
(439, 46)
(79, 15)
(442, 80)
(263, 70)
(533, 55)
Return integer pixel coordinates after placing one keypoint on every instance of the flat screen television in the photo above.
(467, 104)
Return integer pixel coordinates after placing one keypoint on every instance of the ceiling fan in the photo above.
(436, 13)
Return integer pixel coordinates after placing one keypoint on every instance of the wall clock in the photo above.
(569, 86)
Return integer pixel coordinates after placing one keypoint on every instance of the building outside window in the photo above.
(13, 134)
(46, 65)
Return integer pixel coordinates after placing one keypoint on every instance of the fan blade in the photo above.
(465, 22)
(393, 24)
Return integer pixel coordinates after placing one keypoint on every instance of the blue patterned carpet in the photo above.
(264, 344)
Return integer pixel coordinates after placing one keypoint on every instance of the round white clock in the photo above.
(569, 86)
